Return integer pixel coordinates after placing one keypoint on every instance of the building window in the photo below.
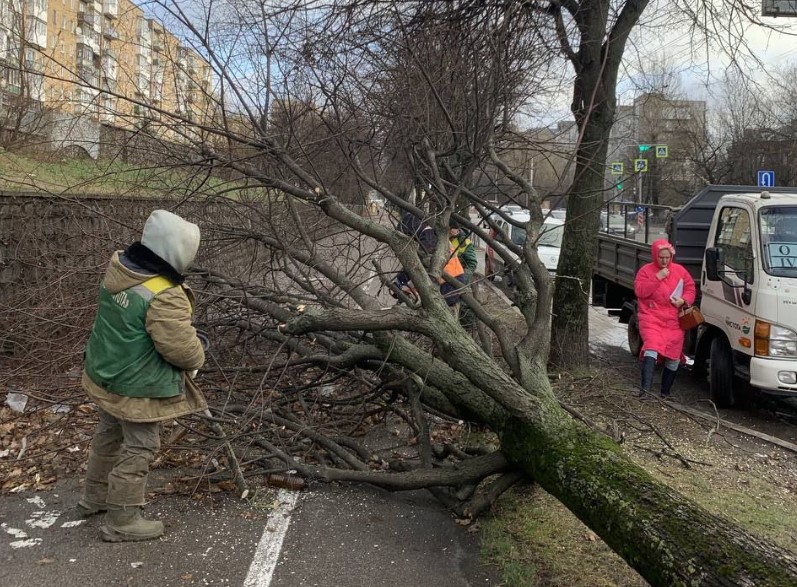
(13, 81)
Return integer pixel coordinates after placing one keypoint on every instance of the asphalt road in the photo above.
(333, 536)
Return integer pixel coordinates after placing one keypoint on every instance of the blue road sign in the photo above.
(766, 179)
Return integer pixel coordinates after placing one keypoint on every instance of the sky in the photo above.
(673, 48)
(660, 55)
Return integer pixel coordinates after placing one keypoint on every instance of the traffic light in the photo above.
(643, 148)
(619, 187)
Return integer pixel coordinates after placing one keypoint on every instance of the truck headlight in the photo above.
(774, 341)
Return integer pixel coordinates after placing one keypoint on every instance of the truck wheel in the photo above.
(720, 373)
(634, 337)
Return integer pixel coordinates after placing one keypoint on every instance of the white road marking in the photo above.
(42, 519)
(25, 543)
(15, 532)
(37, 501)
(72, 523)
(268, 549)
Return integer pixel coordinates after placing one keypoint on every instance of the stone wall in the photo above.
(54, 251)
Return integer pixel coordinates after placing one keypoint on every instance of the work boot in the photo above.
(648, 368)
(95, 490)
(667, 379)
(125, 524)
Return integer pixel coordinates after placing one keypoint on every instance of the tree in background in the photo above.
(21, 79)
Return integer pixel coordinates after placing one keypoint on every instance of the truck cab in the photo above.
(749, 295)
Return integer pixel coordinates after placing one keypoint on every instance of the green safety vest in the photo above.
(120, 355)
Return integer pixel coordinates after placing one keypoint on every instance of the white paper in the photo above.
(678, 291)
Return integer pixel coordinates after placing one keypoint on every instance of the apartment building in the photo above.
(102, 60)
(655, 119)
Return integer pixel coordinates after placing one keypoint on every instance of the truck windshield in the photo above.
(779, 240)
(550, 235)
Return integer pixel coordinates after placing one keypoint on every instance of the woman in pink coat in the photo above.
(662, 287)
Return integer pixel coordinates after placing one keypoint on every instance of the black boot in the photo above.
(648, 367)
(667, 379)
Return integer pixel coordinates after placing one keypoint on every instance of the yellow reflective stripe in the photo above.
(157, 284)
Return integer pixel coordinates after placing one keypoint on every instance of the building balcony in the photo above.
(110, 8)
(33, 66)
(34, 8)
(36, 33)
(91, 40)
(86, 18)
(109, 85)
(110, 67)
(88, 75)
(157, 43)
(110, 33)
(35, 83)
(143, 35)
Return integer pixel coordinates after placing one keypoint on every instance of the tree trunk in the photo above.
(570, 325)
(668, 539)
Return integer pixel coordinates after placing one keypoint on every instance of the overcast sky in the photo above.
(659, 56)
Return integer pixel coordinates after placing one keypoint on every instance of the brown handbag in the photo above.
(690, 317)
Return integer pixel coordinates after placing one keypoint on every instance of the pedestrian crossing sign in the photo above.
(662, 151)
(617, 168)
(641, 165)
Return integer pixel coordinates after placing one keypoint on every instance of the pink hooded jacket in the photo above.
(658, 318)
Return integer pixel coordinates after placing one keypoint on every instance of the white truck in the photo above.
(739, 243)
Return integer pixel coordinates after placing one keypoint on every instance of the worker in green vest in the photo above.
(139, 359)
(463, 246)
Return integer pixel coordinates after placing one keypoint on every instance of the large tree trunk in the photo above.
(570, 326)
(596, 64)
(668, 539)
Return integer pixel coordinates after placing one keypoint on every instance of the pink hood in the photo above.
(657, 246)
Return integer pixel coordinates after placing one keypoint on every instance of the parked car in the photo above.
(548, 245)
(620, 224)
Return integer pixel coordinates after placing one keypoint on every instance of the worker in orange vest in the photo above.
(424, 234)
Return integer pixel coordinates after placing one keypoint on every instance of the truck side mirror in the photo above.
(714, 259)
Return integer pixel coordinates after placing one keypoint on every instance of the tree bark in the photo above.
(596, 64)
(667, 538)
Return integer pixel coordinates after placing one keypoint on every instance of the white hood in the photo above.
(173, 239)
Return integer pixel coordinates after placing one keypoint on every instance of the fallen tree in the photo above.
(410, 104)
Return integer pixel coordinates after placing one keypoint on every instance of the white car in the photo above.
(548, 245)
